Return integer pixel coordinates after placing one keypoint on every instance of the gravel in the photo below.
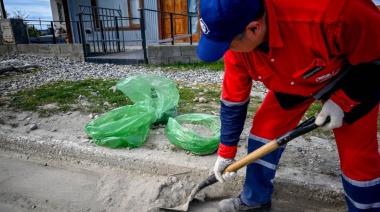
(53, 69)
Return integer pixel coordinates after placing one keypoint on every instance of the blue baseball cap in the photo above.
(221, 21)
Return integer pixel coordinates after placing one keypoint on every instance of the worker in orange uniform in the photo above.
(302, 51)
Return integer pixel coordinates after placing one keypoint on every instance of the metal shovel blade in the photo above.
(205, 183)
(185, 206)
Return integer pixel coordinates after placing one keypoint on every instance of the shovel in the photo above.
(301, 129)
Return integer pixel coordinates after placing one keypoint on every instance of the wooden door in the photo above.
(180, 22)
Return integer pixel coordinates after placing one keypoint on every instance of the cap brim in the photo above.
(211, 51)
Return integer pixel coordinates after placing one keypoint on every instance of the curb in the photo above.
(191, 168)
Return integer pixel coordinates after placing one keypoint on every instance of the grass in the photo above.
(93, 93)
(187, 95)
(215, 66)
(90, 95)
(67, 95)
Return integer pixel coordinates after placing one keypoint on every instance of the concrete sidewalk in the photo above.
(61, 139)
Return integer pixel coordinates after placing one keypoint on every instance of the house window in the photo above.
(129, 11)
(133, 11)
(193, 12)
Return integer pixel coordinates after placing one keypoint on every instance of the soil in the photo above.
(199, 129)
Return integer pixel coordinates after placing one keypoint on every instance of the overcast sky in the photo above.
(36, 9)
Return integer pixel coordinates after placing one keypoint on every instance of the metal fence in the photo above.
(104, 30)
(100, 30)
(40, 31)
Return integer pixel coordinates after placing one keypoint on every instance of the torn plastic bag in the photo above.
(193, 140)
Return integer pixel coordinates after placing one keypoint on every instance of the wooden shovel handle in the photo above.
(269, 147)
(259, 153)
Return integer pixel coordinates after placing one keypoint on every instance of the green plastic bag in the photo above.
(159, 92)
(190, 140)
(156, 99)
(126, 126)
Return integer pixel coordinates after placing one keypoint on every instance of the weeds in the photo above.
(216, 66)
(68, 95)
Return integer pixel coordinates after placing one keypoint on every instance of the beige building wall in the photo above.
(58, 15)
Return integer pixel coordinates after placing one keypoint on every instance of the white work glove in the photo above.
(332, 110)
(220, 165)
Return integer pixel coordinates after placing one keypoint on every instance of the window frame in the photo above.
(131, 26)
(141, 5)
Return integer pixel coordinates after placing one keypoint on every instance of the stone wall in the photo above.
(69, 51)
(157, 55)
(168, 54)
